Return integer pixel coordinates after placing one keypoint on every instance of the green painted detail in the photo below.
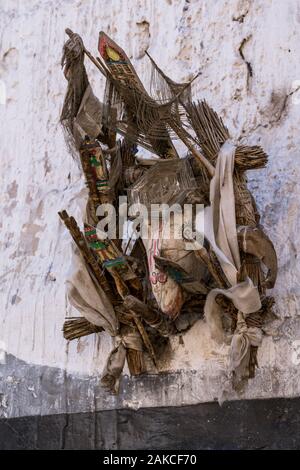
(111, 263)
(94, 161)
(97, 245)
(90, 232)
(101, 184)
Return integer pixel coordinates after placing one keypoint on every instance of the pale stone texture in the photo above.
(260, 104)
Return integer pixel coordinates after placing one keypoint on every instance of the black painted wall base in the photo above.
(255, 424)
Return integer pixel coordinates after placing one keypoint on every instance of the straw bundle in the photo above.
(211, 133)
(74, 328)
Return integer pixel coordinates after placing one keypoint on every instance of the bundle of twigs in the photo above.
(211, 133)
(76, 327)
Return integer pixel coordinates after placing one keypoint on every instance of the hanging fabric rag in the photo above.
(129, 338)
(220, 230)
(90, 300)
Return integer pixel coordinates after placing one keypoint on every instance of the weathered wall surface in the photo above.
(247, 52)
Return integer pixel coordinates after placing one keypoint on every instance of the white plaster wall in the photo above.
(39, 177)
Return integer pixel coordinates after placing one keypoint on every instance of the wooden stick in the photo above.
(181, 134)
(144, 336)
(205, 257)
(152, 317)
(135, 361)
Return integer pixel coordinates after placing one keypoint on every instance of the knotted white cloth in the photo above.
(242, 339)
(90, 300)
(128, 339)
(220, 230)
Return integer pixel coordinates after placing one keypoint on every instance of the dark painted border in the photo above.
(255, 424)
